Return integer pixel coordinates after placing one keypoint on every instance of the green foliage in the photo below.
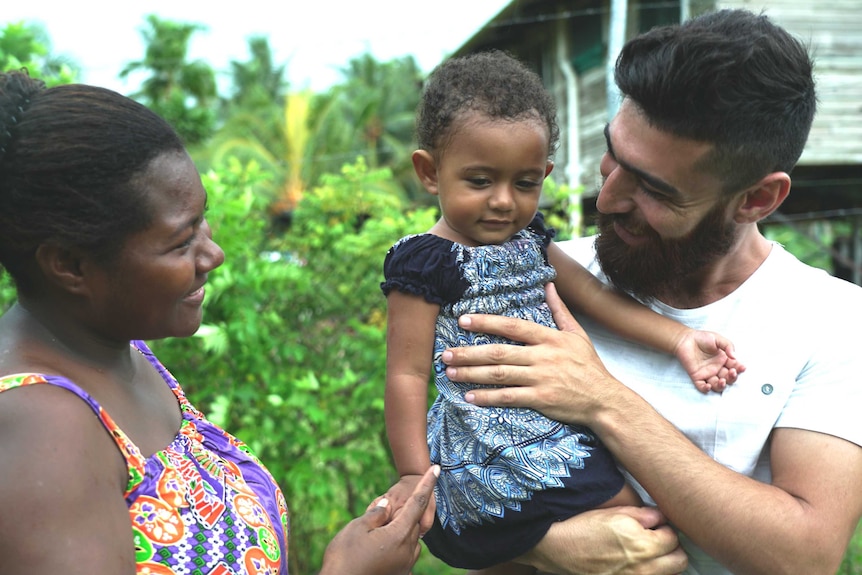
(178, 90)
(258, 81)
(810, 241)
(370, 114)
(292, 357)
(561, 206)
(852, 563)
(28, 46)
(7, 291)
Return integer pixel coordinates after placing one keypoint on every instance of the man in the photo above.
(765, 477)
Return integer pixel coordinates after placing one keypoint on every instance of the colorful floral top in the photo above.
(204, 505)
(493, 459)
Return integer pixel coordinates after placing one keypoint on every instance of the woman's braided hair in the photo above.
(15, 92)
(68, 160)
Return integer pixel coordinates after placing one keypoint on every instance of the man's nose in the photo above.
(618, 187)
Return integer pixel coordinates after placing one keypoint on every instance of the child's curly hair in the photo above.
(493, 83)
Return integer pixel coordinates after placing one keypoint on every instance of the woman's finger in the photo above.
(412, 511)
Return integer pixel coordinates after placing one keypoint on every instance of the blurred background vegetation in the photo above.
(307, 191)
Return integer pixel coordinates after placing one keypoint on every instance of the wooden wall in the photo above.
(833, 29)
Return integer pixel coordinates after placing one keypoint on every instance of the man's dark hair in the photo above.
(731, 78)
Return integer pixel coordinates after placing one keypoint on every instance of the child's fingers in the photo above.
(376, 501)
(422, 496)
(427, 518)
(377, 515)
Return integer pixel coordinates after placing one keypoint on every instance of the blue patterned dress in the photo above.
(507, 473)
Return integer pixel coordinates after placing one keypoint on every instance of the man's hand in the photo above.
(556, 372)
(612, 541)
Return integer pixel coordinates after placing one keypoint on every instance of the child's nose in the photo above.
(502, 198)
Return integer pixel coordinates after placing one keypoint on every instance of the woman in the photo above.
(107, 468)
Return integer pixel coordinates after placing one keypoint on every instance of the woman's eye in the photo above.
(187, 242)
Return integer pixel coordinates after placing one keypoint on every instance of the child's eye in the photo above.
(479, 182)
(529, 185)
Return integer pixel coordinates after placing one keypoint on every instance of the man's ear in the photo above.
(763, 198)
(62, 267)
(426, 169)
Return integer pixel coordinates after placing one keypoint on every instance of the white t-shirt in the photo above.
(794, 327)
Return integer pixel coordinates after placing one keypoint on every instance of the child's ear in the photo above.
(763, 198)
(62, 267)
(426, 169)
(549, 167)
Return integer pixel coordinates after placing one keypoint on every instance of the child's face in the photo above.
(489, 179)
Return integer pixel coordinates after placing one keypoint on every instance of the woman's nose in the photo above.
(211, 255)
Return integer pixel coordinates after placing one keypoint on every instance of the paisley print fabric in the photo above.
(202, 506)
(494, 460)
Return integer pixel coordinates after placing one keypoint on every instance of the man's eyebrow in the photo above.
(653, 182)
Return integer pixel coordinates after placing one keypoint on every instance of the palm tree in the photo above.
(179, 90)
(279, 147)
(258, 80)
(28, 46)
(371, 114)
(264, 123)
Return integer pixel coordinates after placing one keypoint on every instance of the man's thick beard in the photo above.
(661, 267)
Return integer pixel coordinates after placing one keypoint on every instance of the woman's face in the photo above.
(155, 288)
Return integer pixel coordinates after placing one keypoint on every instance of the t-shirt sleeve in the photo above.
(827, 397)
(538, 227)
(427, 266)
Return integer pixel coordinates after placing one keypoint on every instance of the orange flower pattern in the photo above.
(204, 505)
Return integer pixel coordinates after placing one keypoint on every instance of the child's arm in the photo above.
(409, 354)
(707, 356)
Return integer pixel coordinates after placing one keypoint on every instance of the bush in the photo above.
(292, 356)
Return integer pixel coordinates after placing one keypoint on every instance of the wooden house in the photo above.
(568, 43)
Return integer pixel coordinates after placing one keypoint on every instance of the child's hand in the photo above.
(709, 360)
(398, 494)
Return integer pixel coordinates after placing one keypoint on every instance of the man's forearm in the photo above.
(792, 526)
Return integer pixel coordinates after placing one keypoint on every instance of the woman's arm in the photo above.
(61, 488)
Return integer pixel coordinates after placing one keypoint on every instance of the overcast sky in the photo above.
(314, 38)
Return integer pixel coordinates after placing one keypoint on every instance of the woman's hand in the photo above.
(400, 493)
(383, 541)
